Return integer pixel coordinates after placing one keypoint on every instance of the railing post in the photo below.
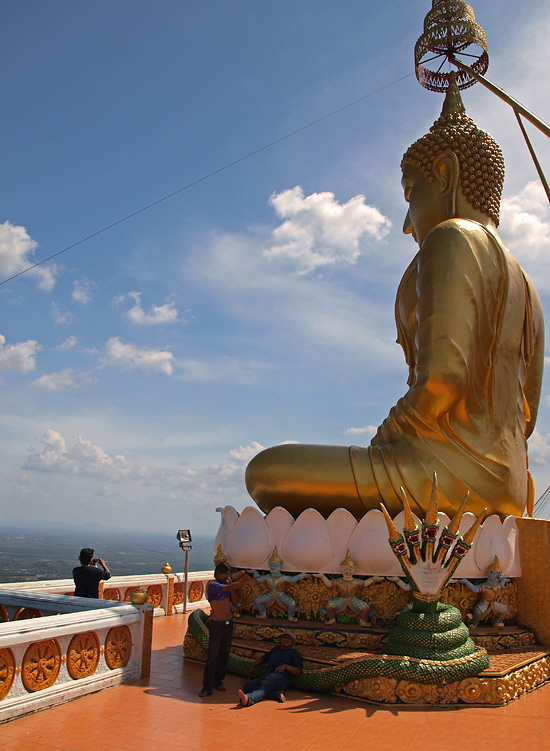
(185, 581)
(169, 594)
(146, 612)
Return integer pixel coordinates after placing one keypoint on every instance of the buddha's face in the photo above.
(426, 206)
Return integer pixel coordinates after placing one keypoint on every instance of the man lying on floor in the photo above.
(282, 662)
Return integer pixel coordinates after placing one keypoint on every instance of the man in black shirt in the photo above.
(88, 575)
(282, 663)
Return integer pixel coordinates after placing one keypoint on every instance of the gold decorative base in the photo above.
(511, 675)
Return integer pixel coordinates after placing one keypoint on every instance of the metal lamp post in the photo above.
(184, 538)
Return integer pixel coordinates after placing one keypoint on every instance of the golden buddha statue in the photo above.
(471, 326)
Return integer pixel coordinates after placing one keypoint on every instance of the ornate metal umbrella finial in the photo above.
(450, 30)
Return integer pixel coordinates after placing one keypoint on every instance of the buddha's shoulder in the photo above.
(461, 238)
(460, 230)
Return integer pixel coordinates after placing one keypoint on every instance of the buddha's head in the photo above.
(455, 170)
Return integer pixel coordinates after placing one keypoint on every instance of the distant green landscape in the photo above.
(36, 554)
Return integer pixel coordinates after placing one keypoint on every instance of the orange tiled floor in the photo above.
(165, 712)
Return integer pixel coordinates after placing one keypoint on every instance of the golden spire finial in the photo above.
(495, 566)
(348, 560)
(275, 556)
(219, 555)
(453, 100)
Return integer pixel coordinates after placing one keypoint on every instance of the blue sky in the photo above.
(141, 370)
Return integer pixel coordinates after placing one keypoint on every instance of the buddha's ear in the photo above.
(446, 171)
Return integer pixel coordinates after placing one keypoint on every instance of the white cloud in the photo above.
(16, 250)
(158, 314)
(319, 232)
(69, 343)
(82, 292)
(526, 218)
(245, 453)
(60, 313)
(297, 312)
(525, 227)
(82, 458)
(224, 469)
(220, 370)
(61, 380)
(18, 357)
(367, 430)
(231, 468)
(539, 448)
(133, 357)
(104, 492)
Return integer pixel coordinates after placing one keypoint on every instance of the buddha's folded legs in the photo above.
(301, 476)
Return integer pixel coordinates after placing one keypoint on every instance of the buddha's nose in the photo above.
(407, 225)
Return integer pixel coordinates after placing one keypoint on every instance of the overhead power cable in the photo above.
(202, 179)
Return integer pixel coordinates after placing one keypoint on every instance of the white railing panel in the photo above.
(49, 660)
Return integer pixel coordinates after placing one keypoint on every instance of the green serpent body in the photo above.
(428, 644)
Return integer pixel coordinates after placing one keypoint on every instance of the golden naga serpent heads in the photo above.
(450, 31)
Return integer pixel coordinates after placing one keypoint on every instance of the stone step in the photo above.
(351, 637)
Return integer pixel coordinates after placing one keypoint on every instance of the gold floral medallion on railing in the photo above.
(118, 647)
(111, 593)
(41, 665)
(178, 594)
(7, 671)
(23, 613)
(195, 591)
(4, 617)
(154, 594)
(83, 655)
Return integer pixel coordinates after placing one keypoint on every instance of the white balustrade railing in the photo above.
(164, 591)
(55, 647)
(77, 647)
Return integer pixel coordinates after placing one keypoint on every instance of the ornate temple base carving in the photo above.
(517, 664)
(385, 598)
(519, 659)
(519, 673)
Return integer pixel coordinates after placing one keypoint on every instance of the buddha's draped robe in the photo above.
(471, 327)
